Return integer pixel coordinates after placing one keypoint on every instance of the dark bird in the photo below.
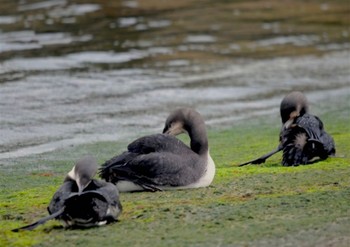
(302, 136)
(163, 162)
(82, 201)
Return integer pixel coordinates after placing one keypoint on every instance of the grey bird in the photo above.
(163, 162)
(302, 136)
(82, 201)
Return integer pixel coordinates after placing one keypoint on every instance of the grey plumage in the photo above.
(293, 105)
(82, 201)
(161, 160)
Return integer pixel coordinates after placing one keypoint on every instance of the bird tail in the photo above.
(39, 222)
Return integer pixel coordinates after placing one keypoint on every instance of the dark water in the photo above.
(75, 72)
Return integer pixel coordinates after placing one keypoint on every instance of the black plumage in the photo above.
(302, 136)
(97, 204)
(304, 140)
(82, 201)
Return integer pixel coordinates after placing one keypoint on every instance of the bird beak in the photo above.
(288, 123)
(291, 119)
(80, 185)
(175, 129)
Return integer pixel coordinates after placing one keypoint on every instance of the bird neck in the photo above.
(199, 139)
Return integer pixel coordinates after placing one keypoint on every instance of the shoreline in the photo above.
(266, 205)
(266, 108)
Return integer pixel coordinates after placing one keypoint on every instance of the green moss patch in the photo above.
(254, 205)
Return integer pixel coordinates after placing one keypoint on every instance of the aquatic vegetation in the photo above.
(259, 205)
(196, 47)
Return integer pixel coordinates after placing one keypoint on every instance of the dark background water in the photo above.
(75, 72)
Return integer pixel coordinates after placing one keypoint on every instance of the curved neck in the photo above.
(199, 139)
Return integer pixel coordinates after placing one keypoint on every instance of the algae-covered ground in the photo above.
(267, 205)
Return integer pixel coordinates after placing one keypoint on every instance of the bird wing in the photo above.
(314, 128)
(111, 194)
(85, 209)
(155, 169)
(304, 140)
(158, 143)
(146, 145)
(147, 159)
(60, 196)
(312, 125)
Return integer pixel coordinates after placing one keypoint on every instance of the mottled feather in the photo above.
(305, 140)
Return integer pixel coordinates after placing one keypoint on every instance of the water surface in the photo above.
(74, 72)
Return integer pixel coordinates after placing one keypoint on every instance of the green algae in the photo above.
(266, 205)
(255, 205)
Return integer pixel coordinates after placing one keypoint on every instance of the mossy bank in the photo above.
(266, 205)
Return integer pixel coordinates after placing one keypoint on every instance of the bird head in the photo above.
(292, 106)
(83, 172)
(175, 123)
